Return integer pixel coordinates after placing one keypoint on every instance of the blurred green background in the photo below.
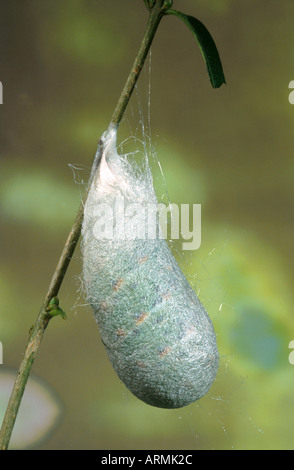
(62, 65)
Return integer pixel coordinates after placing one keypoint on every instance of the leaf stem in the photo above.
(38, 329)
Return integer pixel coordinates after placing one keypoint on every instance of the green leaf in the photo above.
(207, 47)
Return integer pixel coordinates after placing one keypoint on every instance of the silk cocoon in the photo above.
(157, 334)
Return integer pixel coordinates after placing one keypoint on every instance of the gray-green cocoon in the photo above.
(157, 334)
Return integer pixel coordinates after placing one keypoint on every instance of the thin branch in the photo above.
(38, 329)
(154, 20)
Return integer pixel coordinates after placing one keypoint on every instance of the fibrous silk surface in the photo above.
(157, 334)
